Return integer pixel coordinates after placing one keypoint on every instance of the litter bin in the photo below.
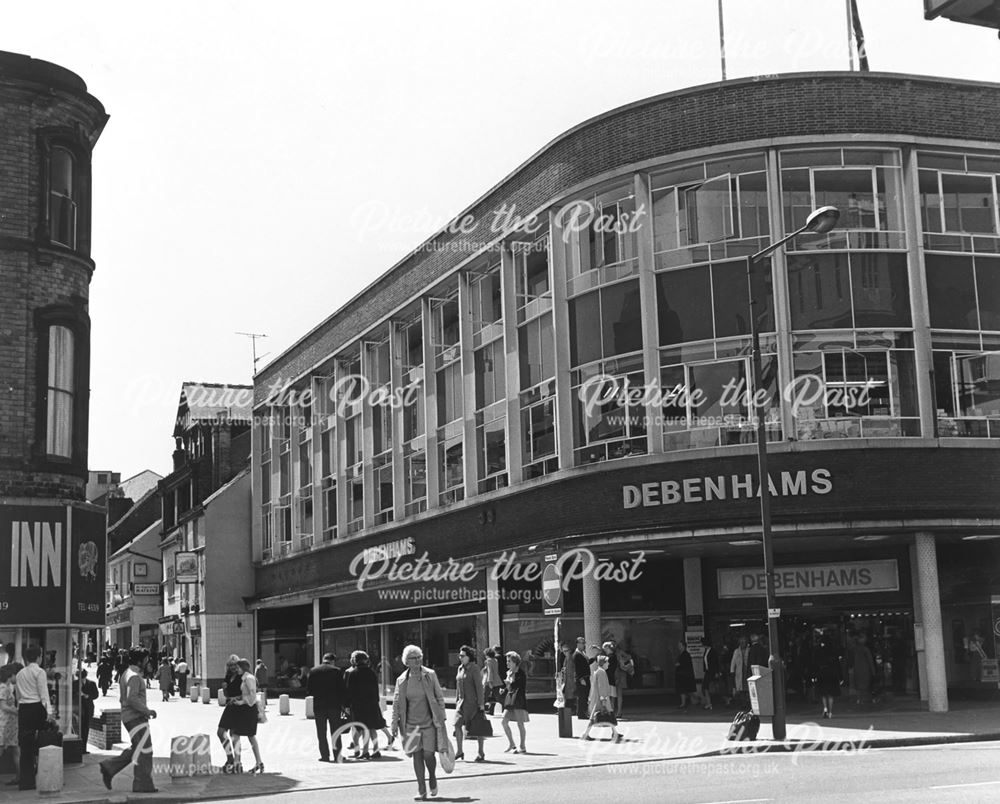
(761, 688)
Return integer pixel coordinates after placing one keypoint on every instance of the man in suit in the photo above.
(581, 668)
(326, 686)
(88, 694)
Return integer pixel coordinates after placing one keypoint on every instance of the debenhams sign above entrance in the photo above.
(815, 579)
(726, 487)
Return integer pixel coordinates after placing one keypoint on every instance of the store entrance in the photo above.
(888, 633)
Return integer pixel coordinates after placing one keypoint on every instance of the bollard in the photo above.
(201, 754)
(222, 696)
(310, 712)
(284, 708)
(262, 700)
(49, 778)
(195, 693)
(206, 695)
(180, 757)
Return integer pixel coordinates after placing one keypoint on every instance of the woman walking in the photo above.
(470, 700)
(361, 684)
(492, 682)
(624, 671)
(8, 717)
(684, 675)
(516, 703)
(165, 675)
(232, 691)
(245, 715)
(602, 708)
(828, 676)
(418, 712)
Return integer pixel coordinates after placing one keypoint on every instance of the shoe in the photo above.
(377, 755)
(460, 755)
(434, 788)
(230, 765)
(105, 776)
(420, 797)
(510, 748)
(618, 738)
(324, 759)
(258, 768)
(479, 758)
(588, 738)
(521, 750)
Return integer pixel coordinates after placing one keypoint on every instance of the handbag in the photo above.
(479, 726)
(602, 716)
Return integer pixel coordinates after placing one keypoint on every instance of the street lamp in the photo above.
(820, 221)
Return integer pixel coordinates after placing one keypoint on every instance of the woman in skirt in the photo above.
(602, 707)
(361, 684)
(245, 713)
(516, 703)
(232, 691)
(470, 699)
(418, 712)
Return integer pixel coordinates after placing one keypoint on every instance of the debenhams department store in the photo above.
(497, 452)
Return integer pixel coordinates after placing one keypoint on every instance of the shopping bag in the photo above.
(479, 726)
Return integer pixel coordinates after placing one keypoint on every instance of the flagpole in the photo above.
(850, 34)
(722, 42)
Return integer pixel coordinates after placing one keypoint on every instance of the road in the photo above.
(960, 773)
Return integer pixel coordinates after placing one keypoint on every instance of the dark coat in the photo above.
(758, 654)
(361, 687)
(684, 673)
(581, 667)
(711, 663)
(326, 686)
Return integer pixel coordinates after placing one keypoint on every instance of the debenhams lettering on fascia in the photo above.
(725, 487)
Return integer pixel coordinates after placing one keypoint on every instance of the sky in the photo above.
(265, 162)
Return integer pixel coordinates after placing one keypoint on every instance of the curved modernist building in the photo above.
(564, 371)
(49, 125)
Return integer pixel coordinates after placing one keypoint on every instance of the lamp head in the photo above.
(822, 220)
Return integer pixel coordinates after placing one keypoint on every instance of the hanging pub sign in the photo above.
(186, 567)
(52, 565)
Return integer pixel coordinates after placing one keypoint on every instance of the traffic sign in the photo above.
(551, 589)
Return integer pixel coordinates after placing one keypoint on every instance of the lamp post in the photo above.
(820, 221)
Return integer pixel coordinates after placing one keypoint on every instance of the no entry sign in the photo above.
(551, 587)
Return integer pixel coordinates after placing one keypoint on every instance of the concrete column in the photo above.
(918, 625)
(493, 625)
(317, 633)
(512, 367)
(650, 324)
(694, 602)
(930, 607)
(591, 610)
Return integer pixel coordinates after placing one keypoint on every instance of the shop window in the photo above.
(951, 292)
(538, 432)
(450, 468)
(967, 393)
(608, 421)
(491, 448)
(968, 203)
(60, 393)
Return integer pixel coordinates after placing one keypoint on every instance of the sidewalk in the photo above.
(288, 745)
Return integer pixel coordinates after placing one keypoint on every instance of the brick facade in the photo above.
(42, 282)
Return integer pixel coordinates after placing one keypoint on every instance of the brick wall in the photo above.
(37, 97)
(714, 114)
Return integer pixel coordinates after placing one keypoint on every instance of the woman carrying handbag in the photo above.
(602, 710)
(246, 715)
(470, 699)
(516, 703)
(418, 712)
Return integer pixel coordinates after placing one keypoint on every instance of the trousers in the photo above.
(332, 719)
(142, 750)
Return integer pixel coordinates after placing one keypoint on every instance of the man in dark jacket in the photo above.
(758, 654)
(581, 667)
(326, 686)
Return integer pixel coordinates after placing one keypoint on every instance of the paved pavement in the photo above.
(652, 732)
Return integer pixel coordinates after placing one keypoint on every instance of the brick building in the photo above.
(470, 409)
(205, 531)
(52, 547)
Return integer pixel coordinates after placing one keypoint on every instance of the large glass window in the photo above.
(843, 392)
(609, 416)
(536, 351)
(617, 309)
(967, 393)
(865, 185)
(843, 290)
(951, 290)
(60, 393)
(531, 278)
(451, 466)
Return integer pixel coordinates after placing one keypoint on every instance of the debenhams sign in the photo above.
(726, 487)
